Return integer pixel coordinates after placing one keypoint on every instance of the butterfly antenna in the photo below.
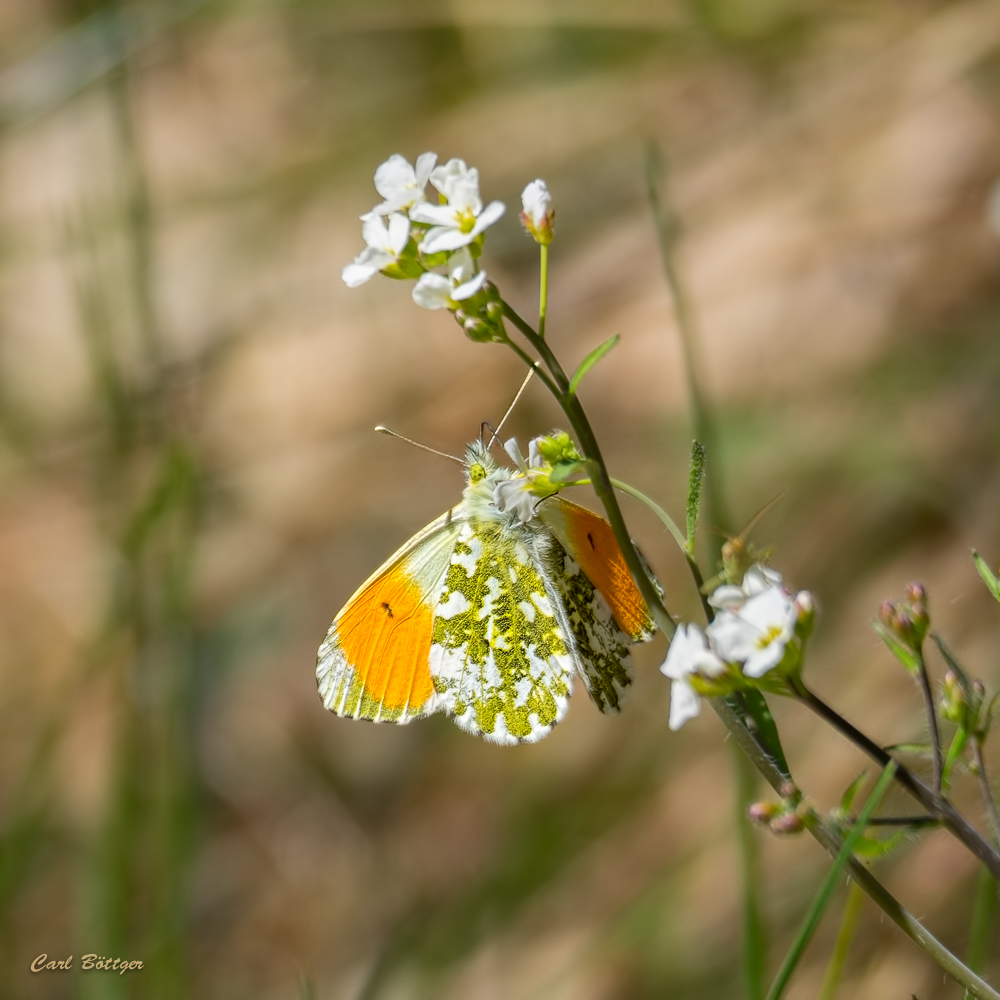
(417, 444)
(493, 439)
(510, 409)
(766, 509)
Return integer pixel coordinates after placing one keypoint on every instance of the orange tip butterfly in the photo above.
(487, 618)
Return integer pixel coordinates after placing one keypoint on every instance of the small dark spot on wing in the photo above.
(590, 538)
(387, 609)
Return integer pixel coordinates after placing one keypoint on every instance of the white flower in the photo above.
(516, 494)
(537, 214)
(688, 654)
(756, 580)
(435, 291)
(385, 244)
(756, 633)
(402, 185)
(462, 218)
(759, 578)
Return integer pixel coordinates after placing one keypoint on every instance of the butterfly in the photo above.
(488, 619)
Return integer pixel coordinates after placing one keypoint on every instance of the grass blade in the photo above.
(825, 893)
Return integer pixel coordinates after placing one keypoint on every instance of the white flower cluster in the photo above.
(447, 227)
(748, 637)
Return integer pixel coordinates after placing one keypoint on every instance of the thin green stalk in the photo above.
(754, 930)
(984, 785)
(826, 889)
(574, 411)
(937, 805)
(667, 520)
(753, 744)
(932, 725)
(775, 776)
(543, 288)
(984, 914)
(848, 924)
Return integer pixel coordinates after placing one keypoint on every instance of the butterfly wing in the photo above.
(501, 654)
(601, 646)
(591, 543)
(374, 662)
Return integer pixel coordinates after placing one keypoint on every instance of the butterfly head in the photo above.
(482, 473)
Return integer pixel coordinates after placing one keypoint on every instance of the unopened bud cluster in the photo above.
(785, 817)
(908, 620)
(481, 316)
(964, 704)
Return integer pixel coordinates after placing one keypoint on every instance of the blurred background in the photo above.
(190, 487)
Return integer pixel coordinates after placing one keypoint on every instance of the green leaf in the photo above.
(904, 654)
(847, 799)
(829, 884)
(921, 748)
(570, 472)
(590, 360)
(872, 847)
(987, 574)
(761, 714)
(954, 754)
(695, 480)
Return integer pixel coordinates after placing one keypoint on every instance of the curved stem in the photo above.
(925, 689)
(600, 481)
(832, 842)
(543, 288)
(667, 520)
(752, 743)
(936, 805)
(984, 784)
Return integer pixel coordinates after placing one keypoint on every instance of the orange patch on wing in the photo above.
(594, 546)
(385, 633)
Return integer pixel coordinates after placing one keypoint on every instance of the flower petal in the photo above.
(398, 234)
(512, 449)
(493, 211)
(469, 288)
(366, 265)
(425, 164)
(432, 291)
(727, 596)
(515, 494)
(765, 659)
(374, 231)
(684, 704)
(436, 215)
(536, 202)
(394, 176)
(445, 238)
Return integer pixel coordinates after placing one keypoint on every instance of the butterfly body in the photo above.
(488, 619)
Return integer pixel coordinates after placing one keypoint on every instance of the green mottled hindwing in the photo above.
(501, 655)
(602, 647)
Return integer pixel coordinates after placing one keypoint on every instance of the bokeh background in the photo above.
(190, 486)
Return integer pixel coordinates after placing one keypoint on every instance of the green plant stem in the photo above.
(754, 931)
(932, 725)
(667, 520)
(936, 805)
(753, 744)
(832, 842)
(601, 481)
(983, 917)
(848, 924)
(825, 893)
(671, 526)
(543, 288)
(984, 786)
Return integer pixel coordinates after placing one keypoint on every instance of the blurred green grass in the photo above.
(185, 396)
